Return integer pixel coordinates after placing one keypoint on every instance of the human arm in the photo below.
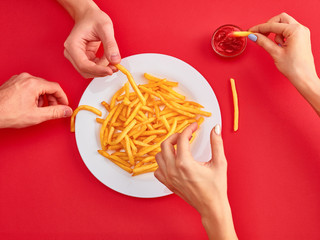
(202, 185)
(22, 101)
(92, 27)
(292, 54)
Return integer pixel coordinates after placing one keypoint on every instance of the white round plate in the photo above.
(191, 83)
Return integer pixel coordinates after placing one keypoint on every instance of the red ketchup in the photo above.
(224, 44)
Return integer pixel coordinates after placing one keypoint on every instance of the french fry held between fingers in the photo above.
(83, 107)
(132, 131)
(132, 82)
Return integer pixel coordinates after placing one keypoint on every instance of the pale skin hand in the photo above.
(202, 185)
(92, 27)
(22, 101)
(292, 54)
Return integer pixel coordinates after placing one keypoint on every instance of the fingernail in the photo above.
(252, 37)
(67, 112)
(115, 57)
(217, 129)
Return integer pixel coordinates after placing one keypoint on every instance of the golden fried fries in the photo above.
(138, 122)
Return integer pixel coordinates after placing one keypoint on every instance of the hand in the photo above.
(202, 185)
(292, 54)
(22, 101)
(92, 27)
(291, 48)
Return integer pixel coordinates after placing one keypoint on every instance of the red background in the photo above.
(46, 191)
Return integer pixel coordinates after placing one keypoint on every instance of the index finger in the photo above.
(83, 64)
(283, 18)
(277, 28)
(168, 151)
(53, 89)
(183, 145)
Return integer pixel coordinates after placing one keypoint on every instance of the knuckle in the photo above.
(110, 44)
(65, 53)
(171, 174)
(55, 113)
(221, 161)
(86, 75)
(24, 75)
(66, 44)
(297, 27)
(163, 145)
(57, 85)
(181, 166)
(157, 156)
(157, 174)
(307, 30)
(83, 67)
(106, 24)
(31, 82)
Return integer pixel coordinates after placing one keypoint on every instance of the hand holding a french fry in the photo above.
(26, 100)
(292, 54)
(202, 185)
(92, 27)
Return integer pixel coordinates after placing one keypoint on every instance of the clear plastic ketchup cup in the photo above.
(224, 44)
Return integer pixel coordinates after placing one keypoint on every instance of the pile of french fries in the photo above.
(139, 121)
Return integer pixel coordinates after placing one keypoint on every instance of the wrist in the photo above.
(309, 88)
(78, 8)
(218, 223)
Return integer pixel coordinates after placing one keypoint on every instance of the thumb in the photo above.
(110, 46)
(266, 43)
(217, 149)
(53, 112)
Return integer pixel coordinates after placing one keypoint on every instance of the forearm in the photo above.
(76, 8)
(309, 88)
(218, 223)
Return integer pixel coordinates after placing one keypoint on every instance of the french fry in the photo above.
(104, 125)
(124, 132)
(132, 82)
(149, 139)
(128, 149)
(139, 143)
(165, 122)
(133, 114)
(145, 160)
(99, 120)
(83, 107)
(144, 168)
(153, 147)
(192, 110)
(152, 78)
(178, 95)
(113, 157)
(235, 105)
(106, 105)
(145, 171)
(114, 98)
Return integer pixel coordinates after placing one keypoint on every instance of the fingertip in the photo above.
(114, 58)
(194, 126)
(217, 129)
(252, 37)
(113, 68)
(67, 112)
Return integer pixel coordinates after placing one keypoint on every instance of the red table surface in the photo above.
(46, 191)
